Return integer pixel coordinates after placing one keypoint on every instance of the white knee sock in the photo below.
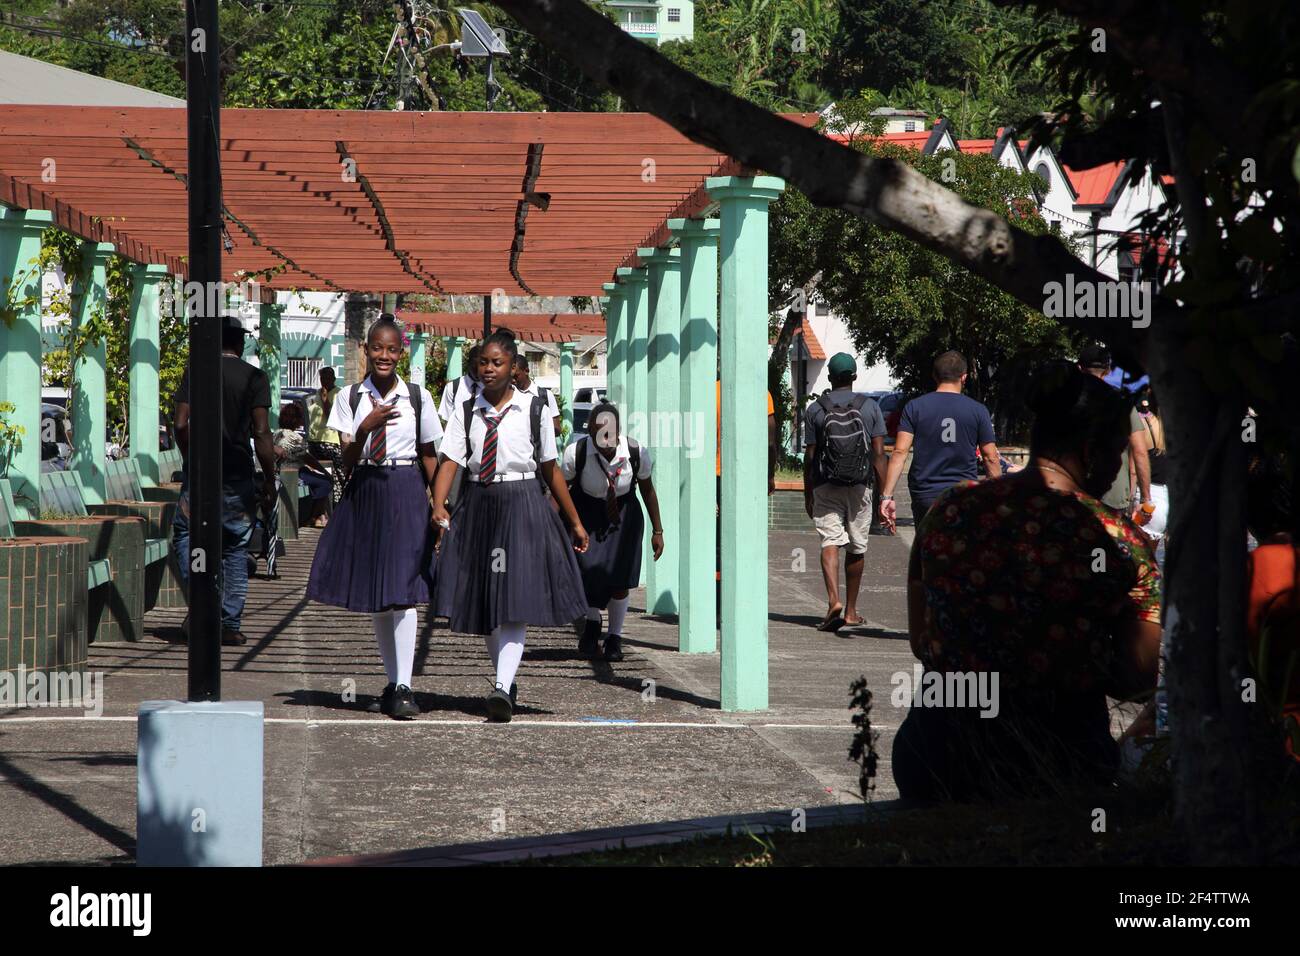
(617, 612)
(404, 627)
(593, 614)
(509, 640)
(384, 637)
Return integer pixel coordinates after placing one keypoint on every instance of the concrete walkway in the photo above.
(592, 745)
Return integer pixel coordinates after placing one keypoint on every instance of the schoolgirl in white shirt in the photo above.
(523, 378)
(376, 554)
(504, 560)
(603, 469)
(467, 386)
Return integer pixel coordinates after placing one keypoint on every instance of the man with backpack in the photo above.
(846, 451)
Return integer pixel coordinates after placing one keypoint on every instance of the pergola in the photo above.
(671, 234)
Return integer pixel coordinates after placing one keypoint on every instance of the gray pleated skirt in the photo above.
(507, 558)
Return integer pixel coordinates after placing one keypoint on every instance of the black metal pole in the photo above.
(487, 316)
(203, 114)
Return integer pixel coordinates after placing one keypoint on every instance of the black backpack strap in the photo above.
(535, 430)
(468, 406)
(634, 456)
(354, 398)
(858, 401)
(416, 401)
(579, 462)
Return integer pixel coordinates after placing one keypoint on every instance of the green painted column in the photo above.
(743, 325)
(614, 346)
(20, 349)
(90, 389)
(663, 428)
(697, 631)
(455, 358)
(142, 407)
(419, 356)
(566, 382)
(271, 352)
(635, 340)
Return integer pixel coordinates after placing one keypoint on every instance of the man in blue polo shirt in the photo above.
(942, 429)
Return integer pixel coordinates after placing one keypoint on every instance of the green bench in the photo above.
(115, 567)
(170, 465)
(98, 572)
(127, 495)
(61, 492)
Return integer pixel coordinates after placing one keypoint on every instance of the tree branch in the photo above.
(885, 192)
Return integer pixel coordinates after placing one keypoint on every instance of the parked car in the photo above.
(891, 406)
(55, 453)
(584, 400)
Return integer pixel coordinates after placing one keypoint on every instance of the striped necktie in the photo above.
(487, 468)
(379, 442)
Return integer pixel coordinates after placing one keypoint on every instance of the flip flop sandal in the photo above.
(833, 622)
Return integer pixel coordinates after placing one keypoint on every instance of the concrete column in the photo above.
(419, 356)
(615, 306)
(566, 382)
(743, 325)
(455, 358)
(271, 352)
(142, 407)
(697, 631)
(20, 349)
(663, 404)
(636, 323)
(90, 383)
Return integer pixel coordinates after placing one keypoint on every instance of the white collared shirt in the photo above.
(514, 436)
(464, 387)
(552, 408)
(400, 433)
(594, 475)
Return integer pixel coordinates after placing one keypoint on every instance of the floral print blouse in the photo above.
(1032, 583)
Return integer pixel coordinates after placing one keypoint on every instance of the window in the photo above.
(909, 126)
(823, 309)
(302, 373)
(674, 15)
(1042, 170)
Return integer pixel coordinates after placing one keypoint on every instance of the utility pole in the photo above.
(203, 119)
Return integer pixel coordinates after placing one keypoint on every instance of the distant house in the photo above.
(661, 21)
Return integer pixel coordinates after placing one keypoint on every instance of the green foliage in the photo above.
(11, 436)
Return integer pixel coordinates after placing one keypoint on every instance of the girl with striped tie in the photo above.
(504, 558)
(605, 469)
(375, 555)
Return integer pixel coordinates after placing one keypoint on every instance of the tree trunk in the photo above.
(359, 310)
(1204, 626)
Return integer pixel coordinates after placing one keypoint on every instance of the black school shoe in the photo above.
(404, 705)
(231, 638)
(589, 643)
(384, 704)
(514, 695)
(499, 706)
(613, 647)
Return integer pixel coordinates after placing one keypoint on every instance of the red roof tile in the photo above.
(1092, 186)
(811, 342)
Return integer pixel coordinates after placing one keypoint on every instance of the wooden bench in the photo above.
(97, 571)
(169, 465)
(127, 495)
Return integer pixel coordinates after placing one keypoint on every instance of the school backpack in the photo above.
(535, 411)
(354, 399)
(580, 461)
(843, 453)
(455, 387)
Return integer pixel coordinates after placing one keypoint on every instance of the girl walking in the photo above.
(376, 554)
(602, 469)
(504, 559)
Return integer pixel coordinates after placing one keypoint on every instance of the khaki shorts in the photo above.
(842, 515)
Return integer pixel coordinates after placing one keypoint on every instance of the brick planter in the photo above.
(162, 582)
(43, 603)
(115, 611)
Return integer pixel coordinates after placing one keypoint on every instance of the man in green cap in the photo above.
(845, 451)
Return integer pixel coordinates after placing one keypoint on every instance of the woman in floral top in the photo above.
(1033, 586)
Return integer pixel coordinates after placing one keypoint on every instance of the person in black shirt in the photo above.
(246, 399)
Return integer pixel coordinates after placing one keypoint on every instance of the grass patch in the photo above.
(1139, 831)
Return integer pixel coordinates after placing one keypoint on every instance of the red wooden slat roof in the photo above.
(527, 326)
(434, 206)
